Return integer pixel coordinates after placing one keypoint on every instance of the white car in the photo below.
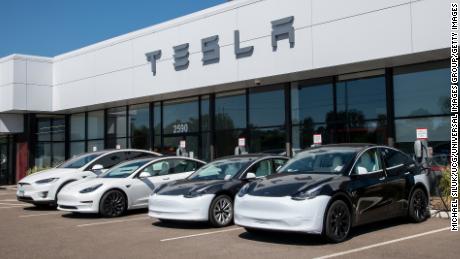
(43, 187)
(124, 187)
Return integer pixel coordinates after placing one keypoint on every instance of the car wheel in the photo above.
(418, 206)
(338, 222)
(113, 204)
(221, 211)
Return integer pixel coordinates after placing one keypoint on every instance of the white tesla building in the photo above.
(277, 73)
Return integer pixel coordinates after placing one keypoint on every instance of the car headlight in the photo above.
(91, 189)
(196, 193)
(306, 194)
(243, 191)
(48, 180)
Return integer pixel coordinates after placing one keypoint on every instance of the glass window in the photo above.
(109, 160)
(220, 170)
(171, 144)
(158, 168)
(226, 141)
(268, 140)
(43, 155)
(422, 90)
(312, 104)
(180, 116)
(323, 160)
(230, 110)
(58, 128)
(205, 119)
(302, 136)
(58, 152)
(96, 125)
(262, 168)
(394, 158)
(278, 163)
(95, 145)
(124, 170)
(266, 108)
(368, 162)
(116, 122)
(178, 166)
(43, 129)
(139, 126)
(79, 161)
(361, 99)
(438, 128)
(77, 126)
(362, 132)
(157, 119)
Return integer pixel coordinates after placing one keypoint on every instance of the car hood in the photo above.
(50, 173)
(90, 182)
(182, 187)
(280, 185)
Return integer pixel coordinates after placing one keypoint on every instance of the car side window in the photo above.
(262, 168)
(278, 163)
(158, 168)
(137, 155)
(368, 162)
(394, 158)
(110, 160)
(178, 166)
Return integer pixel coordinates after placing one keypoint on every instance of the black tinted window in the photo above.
(395, 158)
(262, 168)
(278, 163)
(110, 160)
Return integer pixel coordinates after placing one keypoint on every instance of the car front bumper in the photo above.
(36, 193)
(281, 213)
(78, 203)
(180, 208)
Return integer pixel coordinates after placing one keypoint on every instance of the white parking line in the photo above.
(382, 244)
(200, 234)
(11, 193)
(110, 222)
(12, 204)
(11, 207)
(9, 200)
(40, 214)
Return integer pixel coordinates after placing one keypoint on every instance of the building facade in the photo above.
(273, 72)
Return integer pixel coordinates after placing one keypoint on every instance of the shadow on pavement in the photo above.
(300, 239)
(181, 224)
(74, 215)
(40, 208)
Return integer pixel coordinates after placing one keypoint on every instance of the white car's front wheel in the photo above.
(113, 204)
(221, 211)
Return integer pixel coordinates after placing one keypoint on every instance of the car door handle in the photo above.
(382, 178)
(166, 178)
(406, 173)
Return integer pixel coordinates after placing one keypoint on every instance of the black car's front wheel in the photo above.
(113, 204)
(418, 206)
(338, 222)
(221, 211)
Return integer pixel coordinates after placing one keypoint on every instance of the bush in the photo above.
(444, 184)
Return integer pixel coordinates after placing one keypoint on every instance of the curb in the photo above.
(440, 214)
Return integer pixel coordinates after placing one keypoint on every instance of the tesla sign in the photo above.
(282, 29)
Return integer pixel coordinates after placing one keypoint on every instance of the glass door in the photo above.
(5, 168)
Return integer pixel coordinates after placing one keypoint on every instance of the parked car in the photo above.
(124, 187)
(328, 189)
(42, 188)
(207, 195)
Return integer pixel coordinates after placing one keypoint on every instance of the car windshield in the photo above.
(220, 170)
(79, 161)
(124, 170)
(331, 160)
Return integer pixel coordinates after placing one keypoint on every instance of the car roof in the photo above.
(148, 159)
(250, 156)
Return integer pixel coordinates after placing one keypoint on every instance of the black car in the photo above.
(328, 189)
(208, 194)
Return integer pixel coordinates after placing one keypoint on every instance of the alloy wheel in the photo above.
(418, 206)
(338, 222)
(222, 211)
(113, 204)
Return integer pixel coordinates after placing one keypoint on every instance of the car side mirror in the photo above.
(251, 175)
(144, 175)
(97, 168)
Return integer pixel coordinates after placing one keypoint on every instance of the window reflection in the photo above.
(266, 108)
(230, 110)
(268, 140)
(312, 104)
(139, 126)
(180, 116)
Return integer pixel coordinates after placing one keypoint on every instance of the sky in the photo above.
(52, 27)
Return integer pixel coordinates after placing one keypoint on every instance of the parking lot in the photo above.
(28, 232)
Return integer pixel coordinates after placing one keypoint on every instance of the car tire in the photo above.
(337, 223)
(418, 206)
(113, 204)
(221, 211)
